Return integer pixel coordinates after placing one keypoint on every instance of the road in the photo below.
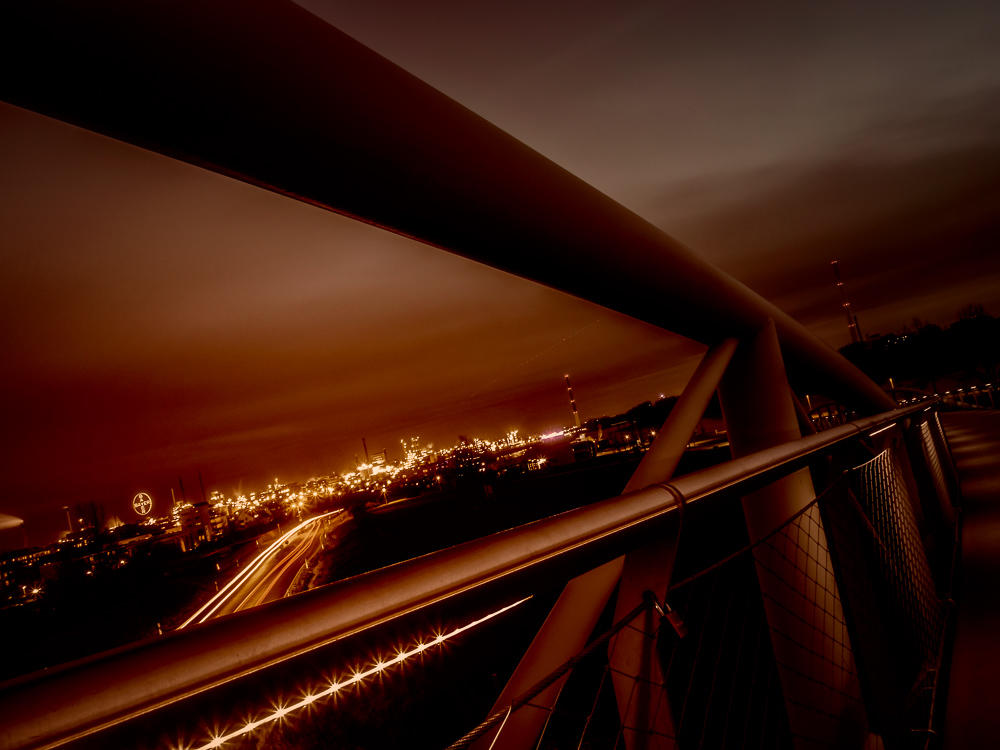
(270, 574)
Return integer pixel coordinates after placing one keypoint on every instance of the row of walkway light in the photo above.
(355, 677)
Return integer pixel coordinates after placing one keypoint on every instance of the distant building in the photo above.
(199, 523)
(413, 454)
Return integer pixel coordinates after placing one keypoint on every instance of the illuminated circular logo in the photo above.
(142, 504)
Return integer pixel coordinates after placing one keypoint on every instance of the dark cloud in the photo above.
(909, 209)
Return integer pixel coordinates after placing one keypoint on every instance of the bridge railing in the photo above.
(383, 147)
(877, 521)
(888, 542)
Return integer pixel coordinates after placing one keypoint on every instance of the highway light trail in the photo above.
(213, 604)
(355, 677)
(271, 580)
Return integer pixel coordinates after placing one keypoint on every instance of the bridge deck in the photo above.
(972, 719)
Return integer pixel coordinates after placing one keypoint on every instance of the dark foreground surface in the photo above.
(972, 719)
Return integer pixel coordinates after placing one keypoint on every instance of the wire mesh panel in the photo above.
(826, 633)
(720, 681)
(722, 678)
(637, 677)
(586, 715)
(858, 556)
(933, 458)
(939, 460)
(723, 684)
(811, 639)
(884, 491)
(896, 619)
(944, 452)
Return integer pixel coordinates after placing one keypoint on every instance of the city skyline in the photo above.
(162, 320)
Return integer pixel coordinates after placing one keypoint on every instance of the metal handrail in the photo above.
(379, 145)
(110, 688)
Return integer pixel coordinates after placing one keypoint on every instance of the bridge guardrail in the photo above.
(876, 534)
(114, 687)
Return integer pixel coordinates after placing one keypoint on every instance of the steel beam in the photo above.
(267, 93)
(636, 671)
(574, 615)
(803, 620)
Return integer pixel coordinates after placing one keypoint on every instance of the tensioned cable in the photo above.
(648, 602)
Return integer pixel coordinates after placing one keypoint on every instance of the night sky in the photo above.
(160, 320)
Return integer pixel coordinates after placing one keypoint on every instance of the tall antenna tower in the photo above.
(572, 402)
(852, 320)
(368, 461)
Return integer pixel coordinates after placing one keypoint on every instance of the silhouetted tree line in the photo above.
(80, 612)
(650, 414)
(923, 353)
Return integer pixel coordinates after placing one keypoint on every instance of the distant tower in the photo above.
(368, 461)
(852, 322)
(572, 402)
